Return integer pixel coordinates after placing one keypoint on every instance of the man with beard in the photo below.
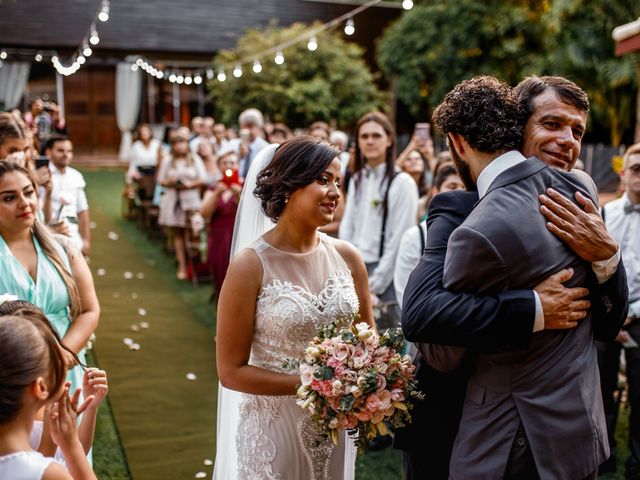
(556, 111)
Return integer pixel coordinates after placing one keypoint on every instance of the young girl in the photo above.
(32, 376)
(94, 390)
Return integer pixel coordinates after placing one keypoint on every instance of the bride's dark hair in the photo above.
(295, 164)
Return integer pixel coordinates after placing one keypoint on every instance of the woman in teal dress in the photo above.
(36, 268)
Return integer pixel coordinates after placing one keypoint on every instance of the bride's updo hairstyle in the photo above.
(295, 164)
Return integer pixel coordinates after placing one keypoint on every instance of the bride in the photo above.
(277, 293)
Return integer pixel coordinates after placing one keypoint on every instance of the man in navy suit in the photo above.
(556, 116)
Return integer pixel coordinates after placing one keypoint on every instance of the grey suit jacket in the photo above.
(552, 386)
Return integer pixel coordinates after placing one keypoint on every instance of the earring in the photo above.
(286, 199)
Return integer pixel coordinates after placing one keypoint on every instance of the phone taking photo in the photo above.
(423, 132)
(42, 161)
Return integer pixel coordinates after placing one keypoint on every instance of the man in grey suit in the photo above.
(533, 412)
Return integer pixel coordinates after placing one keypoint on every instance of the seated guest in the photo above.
(219, 208)
(279, 133)
(143, 157)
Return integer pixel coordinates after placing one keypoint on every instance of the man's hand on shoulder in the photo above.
(582, 229)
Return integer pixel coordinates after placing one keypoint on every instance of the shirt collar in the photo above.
(376, 170)
(54, 170)
(495, 168)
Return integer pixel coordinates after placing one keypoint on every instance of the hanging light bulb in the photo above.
(54, 59)
(159, 74)
(349, 28)
(279, 58)
(87, 50)
(209, 73)
(172, 78)
(313, 44)
(188, 80)
(103, 16)
(94, 39)
(407, 4)
(3, 55)
(38, 57)
(134, 67)
(139, 62)
(81, 60)
(221, 75)
(180, 79)
(197, 79)
(237, 71)
(257, 66)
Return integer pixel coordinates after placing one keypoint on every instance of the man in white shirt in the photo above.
(68, 197)
(622, 217)
(251, 139)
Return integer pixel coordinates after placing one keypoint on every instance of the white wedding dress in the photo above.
(300, 293)
(267, 437)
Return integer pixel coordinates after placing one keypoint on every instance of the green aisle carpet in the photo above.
(166, 422)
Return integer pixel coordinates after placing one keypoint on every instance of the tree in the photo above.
(331, 83)
(436, 45)
(580, 47)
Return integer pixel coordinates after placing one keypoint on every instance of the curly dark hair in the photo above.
(295, 164)
(531, 87)
(485, 112)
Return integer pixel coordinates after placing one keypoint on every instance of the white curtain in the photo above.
(13, 80)
(128, 95)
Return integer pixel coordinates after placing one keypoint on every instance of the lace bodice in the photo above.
(300, 293)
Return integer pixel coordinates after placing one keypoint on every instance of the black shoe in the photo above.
(608, 466)
(379, 443)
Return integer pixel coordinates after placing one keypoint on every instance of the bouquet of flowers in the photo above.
(355, 380)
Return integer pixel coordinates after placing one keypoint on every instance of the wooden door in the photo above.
(90, 111)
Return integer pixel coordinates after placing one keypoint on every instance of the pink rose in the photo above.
(342, 351)
(373, 403)
(363, 415)
(381, 383)
(359, 357)
(397, 395)
(385, 399)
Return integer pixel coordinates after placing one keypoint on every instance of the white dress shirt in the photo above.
(625, 228)
(362, 221)
(409, 255)
(68, 199)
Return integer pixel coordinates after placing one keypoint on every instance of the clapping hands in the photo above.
(95, 386)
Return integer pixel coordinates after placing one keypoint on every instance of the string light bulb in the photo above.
(103, 16)
(209, 73)
(349, 28)
(313, 44)
(54, 59)
(407, 4)
(257, 66)
(134, 67)
(87, 50)
(188, 80)
(81, 60)
(172, 78)
(159, 74)
(180, 79)
(279, 58)
(237, 71)
(222, 76)
(94, 39)
(38, 57)
(3, 55)
(197, 79)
